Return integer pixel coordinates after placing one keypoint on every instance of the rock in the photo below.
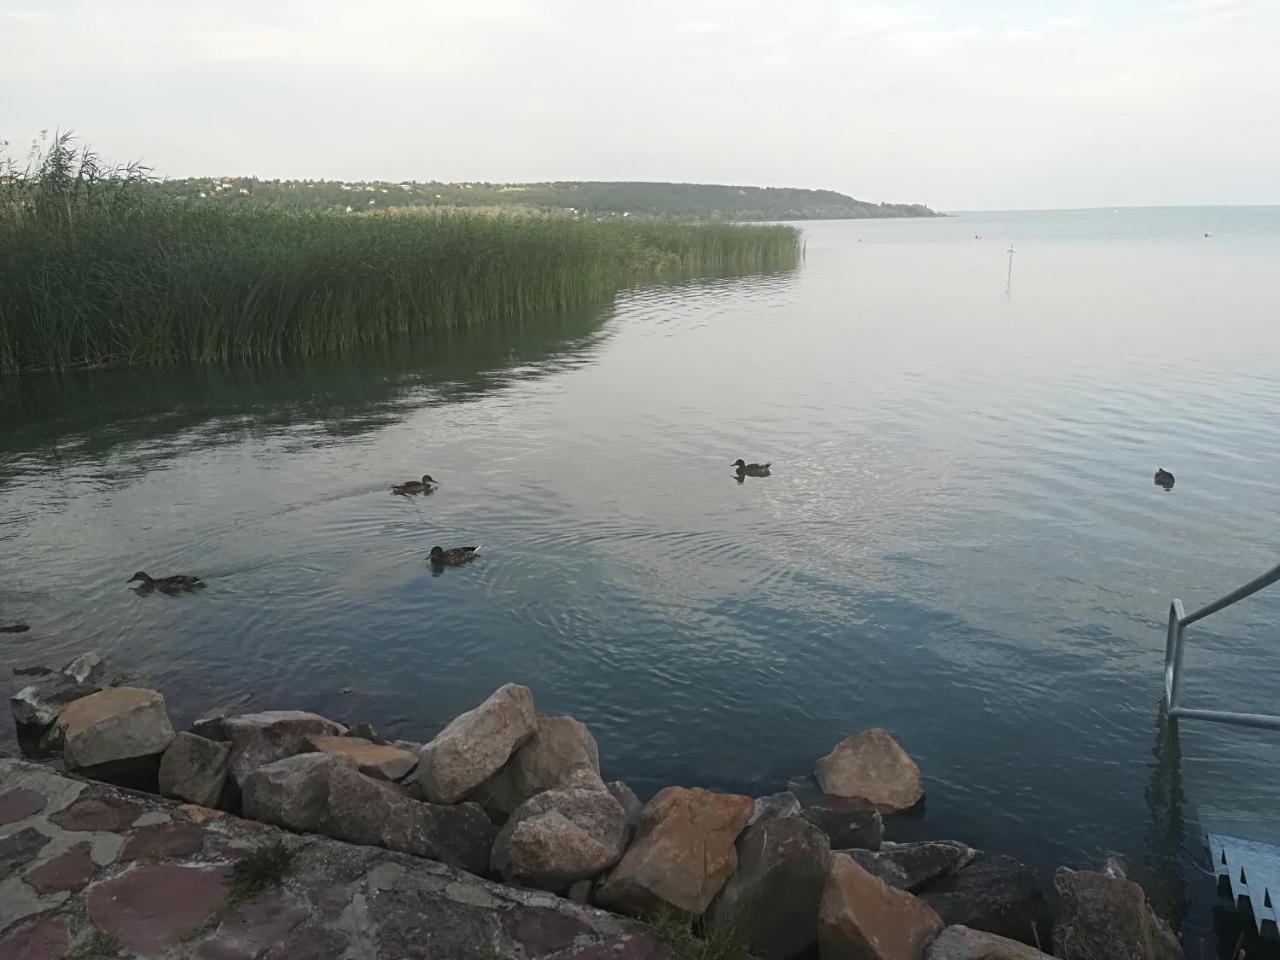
(559, 746)
(682, 855)
(579, 892)
(69, 870)
(45, 938)
(1103, 917)
(848, 827)
(380, 762)
(960, 943)
(772, 898)
(20, 803)
(161, 841)
(83, 667)
(363, 810)
(631, 805)
(366, 731)
(261, 738)
(194, 769)
(255, 926)
(293, 792)
(19, 849)
(573, 832)
(909, 866)
(776, 806)
(861, 918)
(475, 745)
(153, 907)
(109, 814)
(871, 766)
(38, 703)
(114, 728)
(995, 894)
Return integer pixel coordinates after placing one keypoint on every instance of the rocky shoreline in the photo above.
(510, 796)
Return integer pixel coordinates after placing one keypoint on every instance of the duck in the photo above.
(1164, 478)
(425, 485)
(752, 469)
(172, 584)
(453, 557)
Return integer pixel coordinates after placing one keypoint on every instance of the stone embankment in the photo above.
(497, 838)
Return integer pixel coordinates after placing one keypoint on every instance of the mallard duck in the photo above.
(1164, 478)
(453, 557)
(173, 584)
(425, 485)
(752, 469)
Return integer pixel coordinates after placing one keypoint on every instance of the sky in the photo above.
(986, 104)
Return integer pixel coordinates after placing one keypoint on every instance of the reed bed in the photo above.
(90, 276)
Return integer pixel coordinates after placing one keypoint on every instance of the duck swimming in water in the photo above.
(453, 557)
(425, 485)
(752, 469)
(173, 584)
(1164, 478)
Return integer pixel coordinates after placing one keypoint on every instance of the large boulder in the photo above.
(363, 810)
(776, 806)
(1103, 917)
(682, 855)
(559, 746)
(292, 792)
(873, 767)
(475, 745)
(848, 826)
(38, 702)
(862, 918)
(111, 731)
(960, 943)
(260, 738)
(325, 793)
(997, 894)
(772, 899)
(194, 769)
(379, 761)
(573, 832)
(909, 866)
(631, 804)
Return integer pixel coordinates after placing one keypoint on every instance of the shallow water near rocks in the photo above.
(961, 540)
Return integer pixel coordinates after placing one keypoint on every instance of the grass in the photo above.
(93, 273)
(717, 942)
(261, 869)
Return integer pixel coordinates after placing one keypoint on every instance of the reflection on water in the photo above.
(960, 539)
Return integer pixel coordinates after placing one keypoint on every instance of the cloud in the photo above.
(702, 26)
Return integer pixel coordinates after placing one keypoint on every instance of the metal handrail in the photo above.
(1175, 644)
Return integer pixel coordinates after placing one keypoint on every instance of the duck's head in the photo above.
(437, 553)
(739, 463)
(428, 479)
(139, 577)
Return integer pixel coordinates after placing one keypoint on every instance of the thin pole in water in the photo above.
(1008, 283)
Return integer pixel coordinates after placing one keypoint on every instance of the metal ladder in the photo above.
(1249, 867)
(1179, 620)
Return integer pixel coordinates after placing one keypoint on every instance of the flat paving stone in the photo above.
(93, 813)
(164, 841)
(45, 938)
(18, 901)
(67, 871)
(152, 907)
(255, 925)
(19, 849)
(20, 803)
(310, 943)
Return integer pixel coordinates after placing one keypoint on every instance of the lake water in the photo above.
(960, 542)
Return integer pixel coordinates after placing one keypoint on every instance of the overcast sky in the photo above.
(960, 105)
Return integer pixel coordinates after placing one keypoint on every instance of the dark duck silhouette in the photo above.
(425, 485)
(453, 557)
(751, 469)
(174, 584)
(1164, 478)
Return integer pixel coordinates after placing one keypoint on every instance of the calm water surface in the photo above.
(961, 540)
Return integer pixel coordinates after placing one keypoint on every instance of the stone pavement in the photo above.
(88, 870)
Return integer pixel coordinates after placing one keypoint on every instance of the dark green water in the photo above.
(961, 540)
